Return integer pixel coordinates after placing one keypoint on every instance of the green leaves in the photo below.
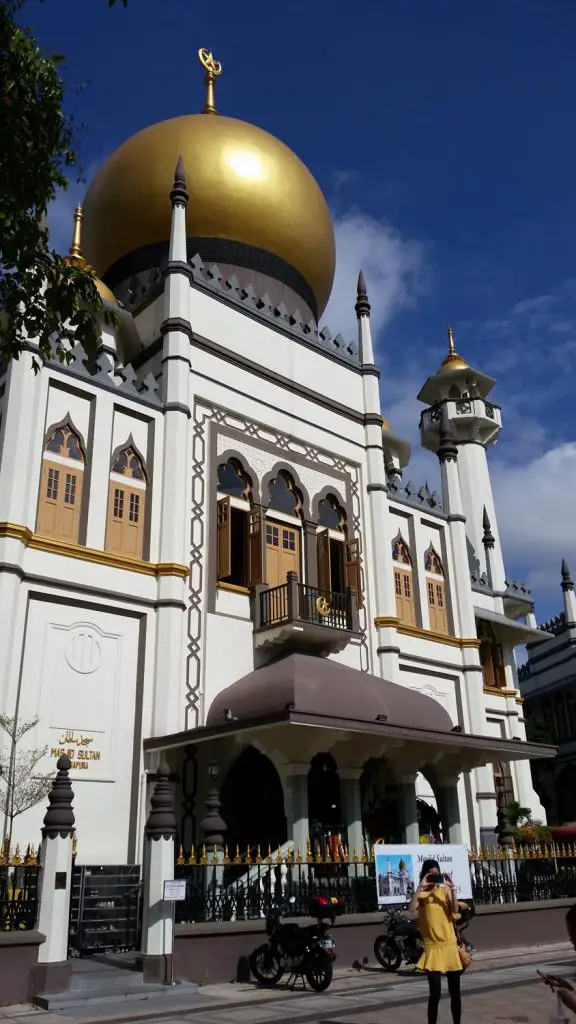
(44, 300)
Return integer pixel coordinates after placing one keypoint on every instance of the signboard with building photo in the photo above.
(398, 870)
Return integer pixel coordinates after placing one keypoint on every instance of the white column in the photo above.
(384, 602)
(477, 495)
(158, 868)
(296, 807)
(53, 971)
(407, 792)
(569, 596)
(21, 454)
(483, 777)
(449, 806)
(352, 809)
(170, 662)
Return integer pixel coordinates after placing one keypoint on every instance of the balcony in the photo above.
(312, 619)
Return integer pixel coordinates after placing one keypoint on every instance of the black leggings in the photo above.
(435, 985)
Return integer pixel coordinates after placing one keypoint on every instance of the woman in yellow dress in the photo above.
(436, 901)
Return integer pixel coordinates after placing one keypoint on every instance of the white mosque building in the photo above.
(209, 552)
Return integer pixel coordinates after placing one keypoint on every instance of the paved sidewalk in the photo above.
(501, 987)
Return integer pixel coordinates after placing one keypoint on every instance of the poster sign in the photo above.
(398, 870)
(175, 890)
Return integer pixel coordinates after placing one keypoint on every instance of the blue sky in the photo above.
(442, 134)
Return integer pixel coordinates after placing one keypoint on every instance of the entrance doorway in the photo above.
(253, 804)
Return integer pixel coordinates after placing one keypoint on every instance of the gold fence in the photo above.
(543, 851)
(29, 858)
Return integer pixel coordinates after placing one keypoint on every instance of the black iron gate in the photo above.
(105, 909)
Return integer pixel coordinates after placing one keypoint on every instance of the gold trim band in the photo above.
(382, 621)
(93, 555)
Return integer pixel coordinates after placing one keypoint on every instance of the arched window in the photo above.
(61, 486)
(239, 529)
(339, 564)
(234, 481)
(284, 496)
(283, 539)
(436, 592)
(403, 581)
(126, 503)
(491, 657)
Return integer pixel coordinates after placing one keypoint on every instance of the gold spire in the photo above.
(452, 361)
(213, 69)
(76, 259)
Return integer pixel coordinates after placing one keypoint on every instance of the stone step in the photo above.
(97, 982)
(62, 1001)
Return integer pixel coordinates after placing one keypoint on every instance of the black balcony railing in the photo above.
(298, 602)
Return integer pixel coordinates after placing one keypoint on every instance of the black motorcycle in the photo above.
(402, 942)
(308, 952)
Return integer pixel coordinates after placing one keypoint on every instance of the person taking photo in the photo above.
(436, 902)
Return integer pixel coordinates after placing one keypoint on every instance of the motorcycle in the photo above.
(308, 952)
(402, 942)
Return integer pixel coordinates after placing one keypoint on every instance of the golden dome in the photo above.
(452, 361)
(386, 428)
(245, 186)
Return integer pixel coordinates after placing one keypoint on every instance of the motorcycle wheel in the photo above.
(387, 953)
(319, 972)
(265, 966)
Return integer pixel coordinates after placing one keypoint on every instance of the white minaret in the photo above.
(475, 424)
(176, 370)
(382, 589)
(569, 596)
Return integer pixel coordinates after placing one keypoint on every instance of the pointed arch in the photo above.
(436, 591)
(234, 480)
(401, 551)
(61, 482)
(127, 501)
(433, 562)
(403, 581)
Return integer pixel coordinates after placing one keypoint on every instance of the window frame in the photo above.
(67, 468)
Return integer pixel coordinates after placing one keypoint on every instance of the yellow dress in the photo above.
(436, 924)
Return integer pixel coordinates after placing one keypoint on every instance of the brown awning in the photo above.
(345, 705)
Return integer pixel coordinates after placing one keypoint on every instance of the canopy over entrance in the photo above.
(304, 703)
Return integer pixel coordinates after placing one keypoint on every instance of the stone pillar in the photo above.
(407, 793)
(53, 970)
(449, 808)
(311, 553)
(213, 828)
(296, 806)
(352, 809)
(158, 867)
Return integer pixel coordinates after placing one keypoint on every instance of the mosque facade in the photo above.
(209, 550)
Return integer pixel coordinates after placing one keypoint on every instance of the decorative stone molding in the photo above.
(161, 823)
(144, 287)
(123, 380)
(407, 493)
(59, 818)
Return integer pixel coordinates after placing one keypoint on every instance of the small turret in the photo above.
(568, 593)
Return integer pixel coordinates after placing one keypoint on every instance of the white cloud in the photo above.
(535, 501)
(393, 266)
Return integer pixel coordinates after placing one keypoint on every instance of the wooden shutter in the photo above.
(60, 500)
(256, 524)
(323, 542)
(352, 569)
(50, 484)
(405, 607)
(223, 539)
